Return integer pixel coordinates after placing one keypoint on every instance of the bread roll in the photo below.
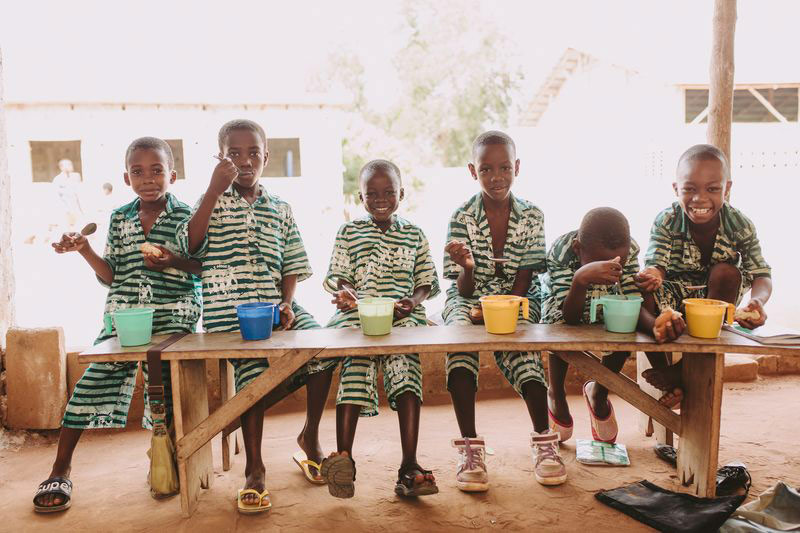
(150, 250)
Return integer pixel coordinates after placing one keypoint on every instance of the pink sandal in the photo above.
(564, 430)
(603, 429)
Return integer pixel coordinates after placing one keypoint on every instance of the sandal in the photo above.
(603, 429)
(667, 453)
(59, 486)
(564, 430)
(733, 479)
(250, 508)
(407, 484)
(339, 472)
(305, 465)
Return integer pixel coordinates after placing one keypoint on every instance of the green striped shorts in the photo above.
(102, 396)
(246, 370)
(358, 380)
(517, 367)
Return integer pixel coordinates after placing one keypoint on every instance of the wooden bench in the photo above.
(698, 424)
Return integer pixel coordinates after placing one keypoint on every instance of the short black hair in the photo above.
(606, 227)
(704, 152)
(240, 124)
(150, 143)
(492, 137)
(379, 165)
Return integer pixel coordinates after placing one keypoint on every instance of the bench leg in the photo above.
(190, 401)
(701, 408)
(230, 441)
(646, 424)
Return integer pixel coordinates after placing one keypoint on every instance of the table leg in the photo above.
(646, 424)
(230, 441)
(701, 408)
(190, 401)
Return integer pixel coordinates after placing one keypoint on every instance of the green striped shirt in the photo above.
(391, 264)
(562, 263)
(673, 248)
(249, 249)
(174, 294)
(525, 246)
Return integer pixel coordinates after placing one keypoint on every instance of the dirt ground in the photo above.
(759, 427)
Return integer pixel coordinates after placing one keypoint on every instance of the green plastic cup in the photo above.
(134, 326)
(620, 313)
(376, 315)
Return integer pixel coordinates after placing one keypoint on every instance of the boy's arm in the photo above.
(288, 286)
(222, 178)
(760, 292)
(75, 242)
(572, 310)
(522, 282)
(192, 266)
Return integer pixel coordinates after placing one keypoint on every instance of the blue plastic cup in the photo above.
(257, 319)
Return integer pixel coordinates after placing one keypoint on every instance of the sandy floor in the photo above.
(111, 493)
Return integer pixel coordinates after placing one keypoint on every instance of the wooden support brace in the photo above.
(280, 369)
(623, 387)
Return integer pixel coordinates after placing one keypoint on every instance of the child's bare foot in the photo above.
(254, 480)
(313, 452)
(671, 399)
(668, 380)
(558, 407)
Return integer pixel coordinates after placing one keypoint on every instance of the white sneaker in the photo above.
(547, 464)
(471, 474)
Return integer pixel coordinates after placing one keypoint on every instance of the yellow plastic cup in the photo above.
(704, 316)
(500, 312)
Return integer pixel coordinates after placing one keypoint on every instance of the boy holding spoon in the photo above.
(496, 224)
(102, 396)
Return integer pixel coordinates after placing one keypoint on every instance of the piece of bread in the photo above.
(476, 313)
(149, 249)
(666, 316)
(741, 314)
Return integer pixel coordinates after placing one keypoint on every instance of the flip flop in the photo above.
(603, 429)
(301, 460)
(564, 430)
(245, 508)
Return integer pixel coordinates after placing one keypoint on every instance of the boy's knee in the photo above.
(724, 276)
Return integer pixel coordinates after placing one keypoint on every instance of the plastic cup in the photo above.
(500, 312)
(134, 326)
(704, 316)
(620, 313)
(257, 319)
(376, 315)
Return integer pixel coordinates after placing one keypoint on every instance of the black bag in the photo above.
(670, 511)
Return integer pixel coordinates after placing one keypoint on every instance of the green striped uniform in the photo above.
(562, 263)
(389, 265)
(525, 249)
(673, 249)
(248, 250)
(102, 396)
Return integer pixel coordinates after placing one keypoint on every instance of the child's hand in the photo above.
(599, 273)
(460, 254)
(287, 315)
(159, 263)
(753, 306)
(403, 307)
(649, 279)
(669, 325)
(70, 242)
(476, 314)
(224, 174)
(345, 300)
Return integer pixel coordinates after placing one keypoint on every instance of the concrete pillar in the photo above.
(36, 378)
(6, 271)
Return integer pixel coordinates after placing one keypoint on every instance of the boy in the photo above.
(381, 255)
(582, 265)
(102, 396)
(496, 224)
(701, 247)
(251, 251)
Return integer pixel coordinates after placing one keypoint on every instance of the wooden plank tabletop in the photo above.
(435, 339)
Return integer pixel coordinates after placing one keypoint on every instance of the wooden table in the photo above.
(698, 423)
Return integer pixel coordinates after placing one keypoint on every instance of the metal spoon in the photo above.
(88, 229)
(619, 289)
(497, 259)
(695, 287)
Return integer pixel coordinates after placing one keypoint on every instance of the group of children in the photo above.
(243, 245)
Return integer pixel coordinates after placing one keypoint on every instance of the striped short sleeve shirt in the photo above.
(391, 264)
(174, 294)
(525, 245)
(562, 263)
(672, 247)
(248, 250)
